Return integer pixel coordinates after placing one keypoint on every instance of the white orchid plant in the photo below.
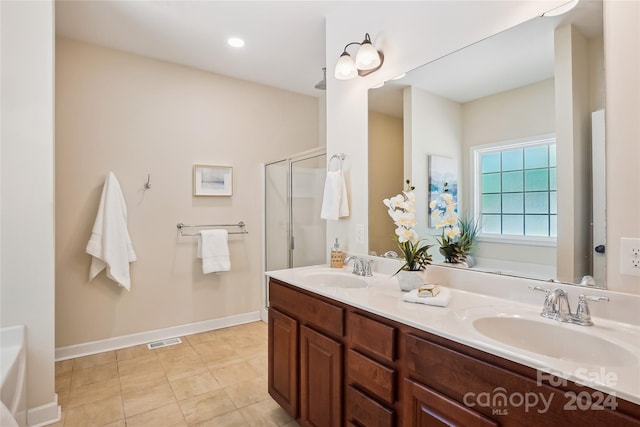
(402, 211)
(458, 234)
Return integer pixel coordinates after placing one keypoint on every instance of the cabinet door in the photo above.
(424, 407)
(320, 380)
(283, 361)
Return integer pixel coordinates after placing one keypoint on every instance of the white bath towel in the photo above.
(335, 204)
(440, 300)
(110, 244)
(213, 248)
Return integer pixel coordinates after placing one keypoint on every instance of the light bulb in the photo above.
(367, 57)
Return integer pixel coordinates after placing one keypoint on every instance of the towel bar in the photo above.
(240, 224)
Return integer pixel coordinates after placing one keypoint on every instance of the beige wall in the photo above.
(134, 116)
(386, 177)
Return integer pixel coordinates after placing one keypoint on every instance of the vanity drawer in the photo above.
(362, 410)
(372, 337)
(307, 309)
(372, 376)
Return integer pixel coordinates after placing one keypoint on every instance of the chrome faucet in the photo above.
(361, 267)
(556, 306)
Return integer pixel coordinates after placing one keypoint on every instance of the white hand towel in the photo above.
(440, 300)
(335, 204)
(110, 244)
(214, 251)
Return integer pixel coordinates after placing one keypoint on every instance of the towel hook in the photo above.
(147, 184)
(340, 157)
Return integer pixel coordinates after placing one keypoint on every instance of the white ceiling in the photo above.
(285, 40)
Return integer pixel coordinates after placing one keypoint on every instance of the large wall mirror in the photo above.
(530, 100)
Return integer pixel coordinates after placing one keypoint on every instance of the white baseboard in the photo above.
(44, 415)
(116, 343)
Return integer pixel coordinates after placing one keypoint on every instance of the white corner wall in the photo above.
(27, 192)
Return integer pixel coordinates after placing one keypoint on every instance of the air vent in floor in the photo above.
(163, 343)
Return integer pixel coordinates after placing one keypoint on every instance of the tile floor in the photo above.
(215, 378)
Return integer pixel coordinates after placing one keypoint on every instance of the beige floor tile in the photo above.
(224, 356)
(212, 347)
(259, 362)
(196, 339)
(139, 365)
(94, 360)
(96, 413)
(265, 413)
(93, 392)
(63, 382)
(95, 374)
(120, 423)
(248, 392)
(134, 383)
(233, 374)
(145, 400)
(207, 406)
(194, 385)
(64, 366)
(133, 352)
(165, 416)
(183, 353)
(231, 419)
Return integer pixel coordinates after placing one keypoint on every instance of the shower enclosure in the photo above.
(294, 232)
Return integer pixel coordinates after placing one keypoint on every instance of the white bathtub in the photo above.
(13, 370)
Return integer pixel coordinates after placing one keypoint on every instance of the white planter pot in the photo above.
(410, 280)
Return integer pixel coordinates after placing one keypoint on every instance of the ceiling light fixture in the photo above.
(368, 60)
(235, 41)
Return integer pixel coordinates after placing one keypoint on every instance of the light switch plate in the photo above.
(360, 239)
(630, 256)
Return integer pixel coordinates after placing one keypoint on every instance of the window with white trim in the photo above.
(516, 192)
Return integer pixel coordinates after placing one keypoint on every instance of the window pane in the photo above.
(553, 183)
(537, 225)
(491, 224)
(512, 203)
(491, 183)
(491, 203)
(512, 181)
(536, 157)
(512, 160)
(536, 202)
(552, 155)
(553, 226)
(553, 204)
(536, 180)
(512, 224)
(490, 162)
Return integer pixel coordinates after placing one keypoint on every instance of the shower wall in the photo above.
(134, 116)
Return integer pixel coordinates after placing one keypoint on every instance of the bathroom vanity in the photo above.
(345, 350)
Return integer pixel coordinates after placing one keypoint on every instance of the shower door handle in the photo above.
(293, 244)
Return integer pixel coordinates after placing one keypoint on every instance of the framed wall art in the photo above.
(209, 180)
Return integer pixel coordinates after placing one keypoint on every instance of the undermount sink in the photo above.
(553, 339)
(337, 279)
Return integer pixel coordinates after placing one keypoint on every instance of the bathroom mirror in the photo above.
(538, 81)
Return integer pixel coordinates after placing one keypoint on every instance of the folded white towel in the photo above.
(214, 251)
(334, 202)
(440, 300)
(110, 244)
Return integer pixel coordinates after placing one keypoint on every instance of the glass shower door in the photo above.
(277, 215)
(308, 230)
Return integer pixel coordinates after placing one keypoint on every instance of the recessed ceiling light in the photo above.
(235, 42)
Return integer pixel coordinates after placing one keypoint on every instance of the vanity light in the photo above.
(368, 60)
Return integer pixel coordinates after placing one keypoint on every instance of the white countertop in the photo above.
(383, 297)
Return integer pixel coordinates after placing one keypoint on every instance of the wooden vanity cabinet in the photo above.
(305, 356)
(334, 365)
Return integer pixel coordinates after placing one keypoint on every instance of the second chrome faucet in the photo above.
(361, 267)
(556, 306)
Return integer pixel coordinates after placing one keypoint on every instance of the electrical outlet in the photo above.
(630, 256)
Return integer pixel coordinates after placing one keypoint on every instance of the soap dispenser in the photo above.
(337, 256)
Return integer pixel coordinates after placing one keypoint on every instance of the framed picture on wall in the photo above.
(442, 178)
(209, 180)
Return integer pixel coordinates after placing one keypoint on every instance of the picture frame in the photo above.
(441, 170)
(212, 180)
